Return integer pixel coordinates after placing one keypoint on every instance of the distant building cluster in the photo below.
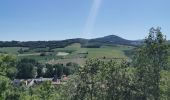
(36, 81)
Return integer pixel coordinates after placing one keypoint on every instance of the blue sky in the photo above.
(62, 19)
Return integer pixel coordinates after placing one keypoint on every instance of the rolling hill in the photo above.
(89, 43)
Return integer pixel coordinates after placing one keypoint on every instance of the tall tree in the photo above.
(46, 91)
(49, 71)
(40, 70)
(8, 72)
(149, 60)
(26, 68)
(8, 66)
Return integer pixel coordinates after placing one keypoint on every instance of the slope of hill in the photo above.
(113, 39)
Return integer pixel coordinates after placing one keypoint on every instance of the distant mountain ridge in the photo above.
(91, 43)
(112, 39)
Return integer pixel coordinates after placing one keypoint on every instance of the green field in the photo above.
(11, 50)
(74, 53)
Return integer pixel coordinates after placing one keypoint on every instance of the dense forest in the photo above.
(145, 77)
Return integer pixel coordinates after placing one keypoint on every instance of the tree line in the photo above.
(30, 68)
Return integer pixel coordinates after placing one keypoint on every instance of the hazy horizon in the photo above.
(33, 20)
